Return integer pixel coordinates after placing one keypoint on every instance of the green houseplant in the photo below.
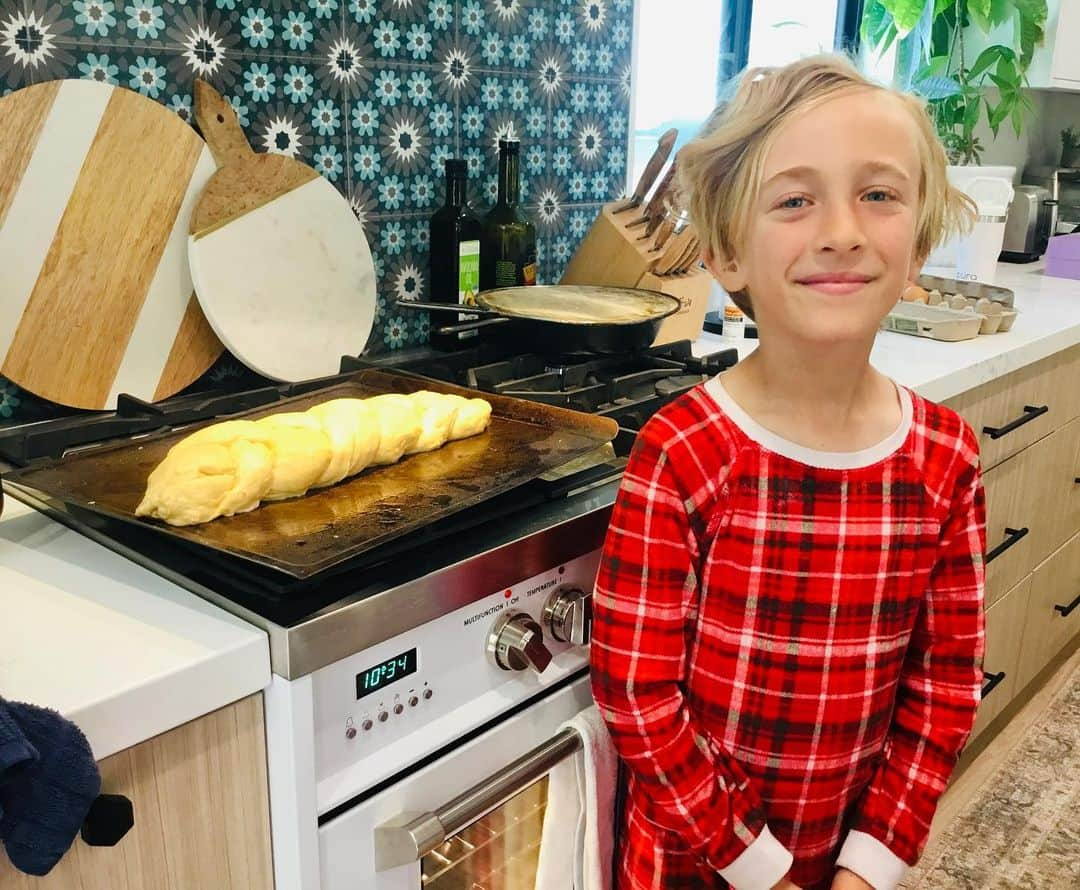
(1070, 147)
(934, 61)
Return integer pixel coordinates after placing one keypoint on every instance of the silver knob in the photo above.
(568, 616)
(516, 643)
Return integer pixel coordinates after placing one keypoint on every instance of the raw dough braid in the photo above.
(232, 467)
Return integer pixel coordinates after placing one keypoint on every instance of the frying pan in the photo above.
(567, 318)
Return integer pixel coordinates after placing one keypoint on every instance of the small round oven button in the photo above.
(413, 701)
(367, 724)
(350, 733)
(383, 716)
(427, 694)
(398, 708)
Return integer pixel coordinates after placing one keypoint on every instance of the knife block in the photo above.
(611, 254)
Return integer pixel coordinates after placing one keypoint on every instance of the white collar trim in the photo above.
(829, 460)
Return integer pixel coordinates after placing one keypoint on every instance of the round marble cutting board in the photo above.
(97, 186)
(280, 263)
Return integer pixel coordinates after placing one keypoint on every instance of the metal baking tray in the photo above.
(304, 536)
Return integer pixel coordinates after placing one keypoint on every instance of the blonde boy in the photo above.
(788, 632)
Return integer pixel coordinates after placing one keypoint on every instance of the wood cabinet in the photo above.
(1053, 617)
(1032, 507)
(1030, 466)
(199, 794)
(1004, 635)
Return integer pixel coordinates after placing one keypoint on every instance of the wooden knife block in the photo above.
(611, 254)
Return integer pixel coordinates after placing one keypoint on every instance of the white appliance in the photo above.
(973, 256)
(371, 783)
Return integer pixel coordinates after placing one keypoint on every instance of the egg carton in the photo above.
(970, 290)
(940, 322)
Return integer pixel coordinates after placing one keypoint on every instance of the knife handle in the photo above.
(665, 230)
(654, 210)
(656, 163)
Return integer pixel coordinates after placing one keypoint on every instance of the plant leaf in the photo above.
(878, 29)
(979, 13)
(906, 13)
(938, 66)
(936, 87)
(1017, 118)
(986, 58)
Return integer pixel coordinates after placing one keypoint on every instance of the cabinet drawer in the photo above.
(1012, 521)
(1055, 591)
(1057, 489)
(1008, 413)
(1004, 633)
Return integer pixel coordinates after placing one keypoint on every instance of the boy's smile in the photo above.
(831, 238)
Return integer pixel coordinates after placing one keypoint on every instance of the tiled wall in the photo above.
(375, 94)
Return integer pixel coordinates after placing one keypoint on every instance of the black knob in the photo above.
(109, 819)
(398, 708)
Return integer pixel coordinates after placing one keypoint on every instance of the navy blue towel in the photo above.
(48, 780)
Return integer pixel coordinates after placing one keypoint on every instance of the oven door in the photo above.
(470, 819)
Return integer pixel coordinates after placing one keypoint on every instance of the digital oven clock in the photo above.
(384, 673)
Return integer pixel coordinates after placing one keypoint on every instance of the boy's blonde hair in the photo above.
(719, 172)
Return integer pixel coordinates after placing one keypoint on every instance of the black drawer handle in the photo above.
(1012, 536)
(992, 681)
(1030, 413)
(1067, 610)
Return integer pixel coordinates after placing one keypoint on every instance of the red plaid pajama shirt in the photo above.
(787, 645)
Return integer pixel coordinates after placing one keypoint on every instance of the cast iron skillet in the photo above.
(566, 318)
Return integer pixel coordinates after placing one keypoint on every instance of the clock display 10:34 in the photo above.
(384, 673)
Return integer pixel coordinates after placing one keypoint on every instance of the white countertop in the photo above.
(123, 653)
(1049, 321)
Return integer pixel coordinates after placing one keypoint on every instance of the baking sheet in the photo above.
(307, 535)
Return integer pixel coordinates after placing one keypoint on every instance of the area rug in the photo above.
(1022, 829)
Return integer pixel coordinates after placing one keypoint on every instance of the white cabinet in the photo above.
(1056, 64)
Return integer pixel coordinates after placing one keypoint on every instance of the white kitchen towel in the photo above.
(577, 841)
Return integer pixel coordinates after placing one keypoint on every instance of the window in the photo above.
(782, 31)
(676, 67)
(678, 46)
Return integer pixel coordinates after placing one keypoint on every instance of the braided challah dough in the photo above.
(232, 467)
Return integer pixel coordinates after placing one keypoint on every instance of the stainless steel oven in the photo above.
(470, 819)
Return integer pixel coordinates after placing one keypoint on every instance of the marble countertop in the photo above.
(1048, 322)
(124, 654)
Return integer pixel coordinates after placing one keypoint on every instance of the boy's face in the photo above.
(831, 239)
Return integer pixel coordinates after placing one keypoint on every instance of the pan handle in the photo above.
(446, 307)
(470, 325)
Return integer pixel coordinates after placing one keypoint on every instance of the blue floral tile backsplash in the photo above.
(375, 94)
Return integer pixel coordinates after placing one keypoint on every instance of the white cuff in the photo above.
(871, 860)
(761, 865)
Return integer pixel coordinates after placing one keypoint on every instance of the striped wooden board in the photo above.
(97, 185)
(280, 262)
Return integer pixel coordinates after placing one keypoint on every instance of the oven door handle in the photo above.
(410, 836)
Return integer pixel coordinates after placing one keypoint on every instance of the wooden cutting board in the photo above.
(97, 185)
(280, 262)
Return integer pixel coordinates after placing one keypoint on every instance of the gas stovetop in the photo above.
(417, 577)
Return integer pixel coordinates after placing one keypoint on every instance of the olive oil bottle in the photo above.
(508, 248)
(455, 234)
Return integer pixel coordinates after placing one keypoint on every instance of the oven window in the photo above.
(499, 852)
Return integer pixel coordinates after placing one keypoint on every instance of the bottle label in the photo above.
(468, 281)
(506, 273)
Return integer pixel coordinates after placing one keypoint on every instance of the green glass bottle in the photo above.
(454, 272)
(508, 248)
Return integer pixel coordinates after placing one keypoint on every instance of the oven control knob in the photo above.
(516, 643)
(568, 616)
